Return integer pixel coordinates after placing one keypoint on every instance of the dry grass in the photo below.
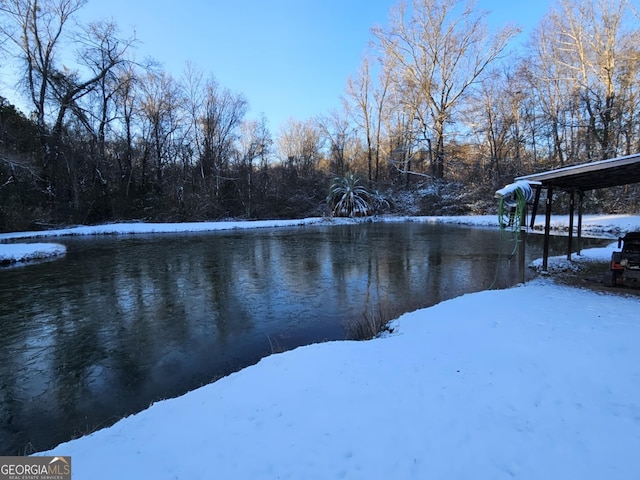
(275, 346)
(369, 325)
(374, 320)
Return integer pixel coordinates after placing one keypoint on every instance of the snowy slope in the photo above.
(533, 382)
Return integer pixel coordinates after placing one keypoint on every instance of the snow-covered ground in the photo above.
(24, 252)
(537, 381)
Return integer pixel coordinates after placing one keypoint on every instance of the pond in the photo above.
(123, 321)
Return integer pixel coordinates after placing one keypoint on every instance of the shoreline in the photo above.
(12, 253)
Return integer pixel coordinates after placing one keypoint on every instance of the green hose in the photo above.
(511, 215)
(512, 211)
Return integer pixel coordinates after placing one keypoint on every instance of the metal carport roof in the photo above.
(580, 178)
(590, 176)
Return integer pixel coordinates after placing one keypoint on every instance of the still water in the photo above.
(121, 322)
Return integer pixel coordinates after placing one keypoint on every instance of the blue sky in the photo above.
(290, 58)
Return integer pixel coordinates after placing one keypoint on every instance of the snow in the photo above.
(24, 252)
(536, 381)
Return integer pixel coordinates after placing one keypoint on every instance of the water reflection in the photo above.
(120, 322)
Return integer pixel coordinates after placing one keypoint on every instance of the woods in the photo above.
(442, 110)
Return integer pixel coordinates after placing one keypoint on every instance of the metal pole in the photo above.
(534, 212)
(522, 239)
(547, 230)
(580, 222)
(572, 202)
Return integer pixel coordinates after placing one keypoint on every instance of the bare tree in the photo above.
(548, 77)
(592, 48)
(629, 129)
(405, 134)
(254, 144)
(42, 34)
(299, 146)
(103, 51)
(194, 91)
(365, 104)
(441, 48)
(162, 107)
(127, 102)
(35, 29)
(496, 117)
(339, 137)
(222, 114)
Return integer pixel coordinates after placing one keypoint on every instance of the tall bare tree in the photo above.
(254, 144)
(593, 46)
(549, 79)
(299, 146)
(162, 107)
(35, 29)
(340, 140)
(128, 104)
(103, 51)
(365, 103)
(222, 114)
(440, 48)
(498, 115)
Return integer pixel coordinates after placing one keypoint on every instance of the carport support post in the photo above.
(572, 208)
(522, 240)
(534, 211)
(581, 197)
(547, 230)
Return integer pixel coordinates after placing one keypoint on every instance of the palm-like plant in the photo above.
(348, 198)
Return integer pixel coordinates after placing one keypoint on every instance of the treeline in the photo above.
(442, 109)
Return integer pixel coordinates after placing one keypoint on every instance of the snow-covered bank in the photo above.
(591, 224)
(538, 381)
(22, 252)
(594, 224)
(561, 264)
(25, 252)
(145, 228)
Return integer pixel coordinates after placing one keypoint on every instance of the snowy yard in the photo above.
(537, 381)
